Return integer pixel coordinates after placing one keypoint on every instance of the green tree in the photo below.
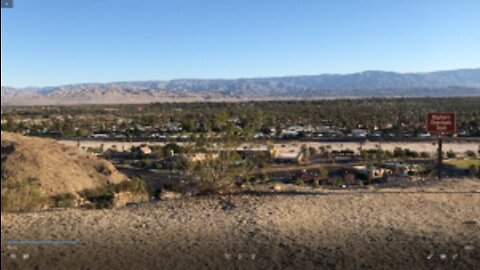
(218, 173)
(451, 154)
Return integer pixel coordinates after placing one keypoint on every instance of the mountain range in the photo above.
(462, 82)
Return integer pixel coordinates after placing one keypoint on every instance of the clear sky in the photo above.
(54, 42)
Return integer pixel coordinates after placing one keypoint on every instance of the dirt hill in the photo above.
(57, 169)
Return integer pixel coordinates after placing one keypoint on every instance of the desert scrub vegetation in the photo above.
(216, 174)
(24, 195)
(135, 185)
(173, 187)
(66, 200)
(103, 169)
(103, 197)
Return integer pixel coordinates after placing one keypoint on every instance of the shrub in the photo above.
(174, 163)
(350, 179)
(451, 154)
(251, 179)
(173, 187)
(471, 154)
(425, 155)
(474, 170)
(299, 182)
(103, 197)
(103, 169)
(411, 154)
(172, 147)
(323, 172)
(217, 174)
(260, 160)
(66, 200)
(95, 150)
(398, 152)
(145, 163)
(388, 154)
(136, 185)
(424, 169)
(339, 181)
(24, 195)
(315, 184)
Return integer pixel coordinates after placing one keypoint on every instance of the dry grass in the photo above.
(23, 195)
(463, 163)
(59, 169)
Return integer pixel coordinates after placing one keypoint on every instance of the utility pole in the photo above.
(440, 157)
(441, 123)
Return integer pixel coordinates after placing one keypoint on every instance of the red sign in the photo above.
(441, 123)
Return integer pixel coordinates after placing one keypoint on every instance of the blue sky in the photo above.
(54, 42)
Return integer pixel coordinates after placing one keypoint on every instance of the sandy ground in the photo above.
(429, 146)
(432, 227)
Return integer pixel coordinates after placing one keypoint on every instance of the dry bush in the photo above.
(24, 195)
(103, 197)
(66, 200)
(214, 175)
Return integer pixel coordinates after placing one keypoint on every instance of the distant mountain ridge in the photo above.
(463, 82)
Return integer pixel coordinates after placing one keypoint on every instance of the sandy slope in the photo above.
(369, 229)
(58, 168)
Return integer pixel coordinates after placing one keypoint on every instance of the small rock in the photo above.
(443, 257)
(468, 247)
(470, 222)
(224, 205)
(141, 226)
(169, 195)
(277, 188)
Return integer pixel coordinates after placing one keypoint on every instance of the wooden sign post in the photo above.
(441, 123)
